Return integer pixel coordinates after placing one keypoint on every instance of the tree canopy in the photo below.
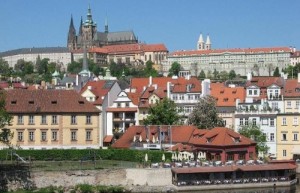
(163, 113)
(255, 133)
(232, 74)
(5, 120)
(202, 75)
(276, 72)
(205, 115)
(174, 70)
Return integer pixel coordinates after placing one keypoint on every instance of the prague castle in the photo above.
(90, 37)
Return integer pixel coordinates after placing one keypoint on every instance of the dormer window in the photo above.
(81, 102)
(31, 102)
(13, 102)
(53, 102)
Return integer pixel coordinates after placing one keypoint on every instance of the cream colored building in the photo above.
(52, 119)
(288, 135)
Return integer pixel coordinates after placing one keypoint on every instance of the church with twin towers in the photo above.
(89, 36)
(201, 45)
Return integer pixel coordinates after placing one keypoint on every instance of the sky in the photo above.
(175, 23)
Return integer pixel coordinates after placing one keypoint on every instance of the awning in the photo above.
(108, 139)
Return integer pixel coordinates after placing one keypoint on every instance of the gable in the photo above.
(88, 93)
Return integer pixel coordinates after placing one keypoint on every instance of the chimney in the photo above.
(168, 89)
(298, 77)
(77, 80)
(249, 76)
(89, 87)
(150, 80)
(205, 87)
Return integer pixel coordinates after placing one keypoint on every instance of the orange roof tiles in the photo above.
(98, 89)
(221, 136)
(131, 48)
(236, 50)
(227, 96)
(47, 101)
(292, 88)
(187, 135)
(161, 82)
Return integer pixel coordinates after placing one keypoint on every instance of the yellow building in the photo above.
(288, 137)
(50, 119)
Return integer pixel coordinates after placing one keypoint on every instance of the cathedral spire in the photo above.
(80, 27)
(71, 35)
(106, 25)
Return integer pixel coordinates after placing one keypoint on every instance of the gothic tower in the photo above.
(89, 30)
(72, 39)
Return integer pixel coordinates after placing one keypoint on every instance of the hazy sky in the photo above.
(176, 23)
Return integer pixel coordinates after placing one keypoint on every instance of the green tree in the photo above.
(216, 74)
(163, 113)
(174, 70)
(5, 119)
(255, 133)
(149, 70)
(223, 75)
(74, 67)
(4, 67)
(205, 114)
(202, 75)
(20, 65)
(232, 75)
(276, 72)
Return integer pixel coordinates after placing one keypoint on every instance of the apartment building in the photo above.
(52, 119)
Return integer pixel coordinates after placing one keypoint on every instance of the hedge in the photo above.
(87, 154)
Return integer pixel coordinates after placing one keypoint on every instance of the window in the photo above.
(73, 135)
(250, 92)
(264, 121)
(241, 156)
(118, 104)
(229, 157)
(73, 119)
(54, 119)
(254, 121)
(272, 137)
(44, 119)
(44, 135)
(54, 136)
(31, 119)
(241, 121)
(127, 104)
(284, 137)
(88, 119)
(31, 135)
(283, 120)
(88, 135)
(255, 92)
(295, 121)
(297, 104)
(289, 104)
(271, 121)
(284, 153)
(295, 136)
(20, 119)
(246, 121)
(20, 135)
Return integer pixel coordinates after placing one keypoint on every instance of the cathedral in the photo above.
(90, 37)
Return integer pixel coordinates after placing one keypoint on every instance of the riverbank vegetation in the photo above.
(81, 188)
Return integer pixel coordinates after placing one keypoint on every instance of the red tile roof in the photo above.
(130, 48)
(218, 137)
(236, 50)
(292, 88)
(180, 134)
(226, 96)
(161, 82)
(221, 136)
(47, 101)
(108, 138)
(134, 97)
(98, 89)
